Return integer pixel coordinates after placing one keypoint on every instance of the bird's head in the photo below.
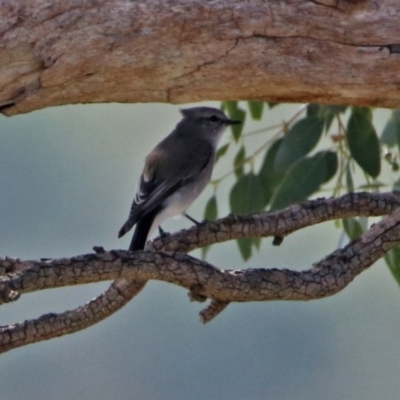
(207, 120)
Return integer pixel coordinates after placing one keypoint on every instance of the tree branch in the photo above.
(279, 223)
(131, 270)
(180, 51)
(52, 325)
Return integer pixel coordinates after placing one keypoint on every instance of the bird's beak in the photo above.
(233, 122)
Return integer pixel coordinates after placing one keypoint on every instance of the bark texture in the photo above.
(327, 51)
(132, 269)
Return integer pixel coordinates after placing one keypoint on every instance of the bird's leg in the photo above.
(197, 223)
(161, 232)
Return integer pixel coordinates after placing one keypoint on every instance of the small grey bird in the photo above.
(176, 172)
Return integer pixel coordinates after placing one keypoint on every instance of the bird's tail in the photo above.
(142, 230)
(126, 227)
(134, 215)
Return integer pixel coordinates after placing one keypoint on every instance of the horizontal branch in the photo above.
(132, 270)
(279, 223)
(180, 51)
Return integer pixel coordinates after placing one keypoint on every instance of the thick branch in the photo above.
(203, 280)
(332, 51)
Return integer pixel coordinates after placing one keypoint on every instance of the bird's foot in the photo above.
(162, 233)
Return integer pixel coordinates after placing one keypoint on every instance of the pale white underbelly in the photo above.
(178, 203)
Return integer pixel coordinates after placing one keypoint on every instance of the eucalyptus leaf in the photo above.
(392, 258)
(222, 151)
(330, 161)
(235, 112)
(267, 167)
(245, 249)
(256, 109)
(363, 141)
(312, 110)
(328, 113)
(391, 133)
(331, 109)
(247, 195)
(204, 251)
(211, 210)
(238, 162)
(230, 106)
(304, 178)
(269, 178)
(298, 142)
(352, 228)
(257, 242)
(237, 129)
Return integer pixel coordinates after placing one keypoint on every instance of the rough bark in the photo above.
(177, 51)
(204, 281)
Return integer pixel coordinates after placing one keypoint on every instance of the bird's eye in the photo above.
(213, 118)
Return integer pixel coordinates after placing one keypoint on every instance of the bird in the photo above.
(176, 171)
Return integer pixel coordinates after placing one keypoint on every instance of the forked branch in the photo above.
(166, 260)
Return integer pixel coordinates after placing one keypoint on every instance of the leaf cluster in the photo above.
(318, 149)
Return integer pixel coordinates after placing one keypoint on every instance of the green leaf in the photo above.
(335, 110)
(204, 251)
(238, 162)
(391, 133)
(210, 214)
(312, 110)
(363, 141)
(256, 109)
(328, 113)
(257, 243)
(392, 258)
(331, 164)
(352, 228)
(211, 210)
(272, 104)
(267, 167)
(304, 178)
(298, 142)
(269, 178)
(230, 106)
(222, 151)
(236, 113)
(240, 115)
(247, 195)
(245, 247)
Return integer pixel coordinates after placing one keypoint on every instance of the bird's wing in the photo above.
(162, 176)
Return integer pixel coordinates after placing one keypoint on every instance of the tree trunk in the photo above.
(178, 51)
